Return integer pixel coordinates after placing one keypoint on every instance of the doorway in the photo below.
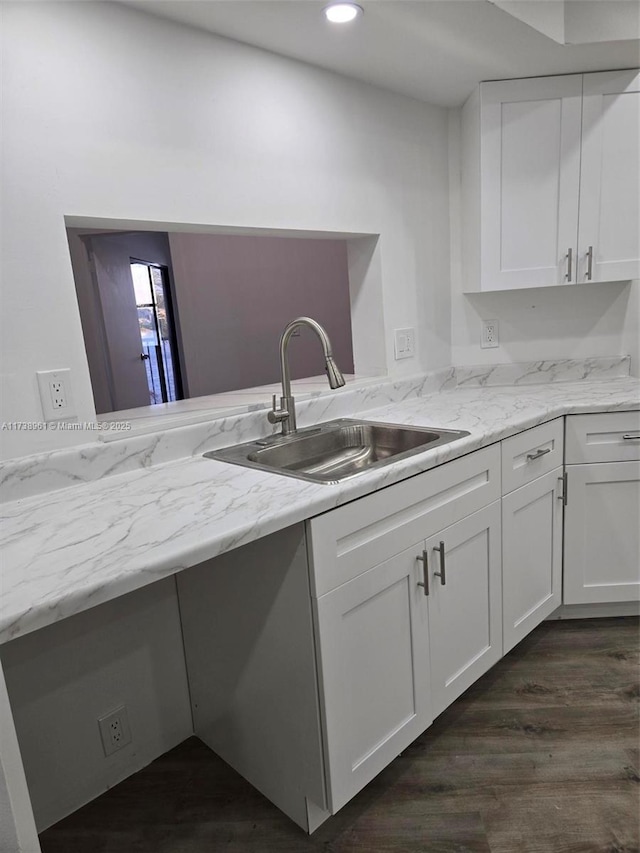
(158, 348)
(131, 329)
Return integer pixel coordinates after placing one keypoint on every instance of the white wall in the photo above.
(112, 113)
(62, 678)
(564, 322)
(599, 319)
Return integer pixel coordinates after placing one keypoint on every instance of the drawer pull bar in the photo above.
(538, 454)
(631, 436)
(442, 573)
(424, 559)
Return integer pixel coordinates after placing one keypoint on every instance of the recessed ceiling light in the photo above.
(342, 13)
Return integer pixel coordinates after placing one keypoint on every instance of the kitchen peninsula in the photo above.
(79, 546)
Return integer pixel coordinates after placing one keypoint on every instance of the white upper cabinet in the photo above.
(530, 173)
(609, 233)
(550, 178)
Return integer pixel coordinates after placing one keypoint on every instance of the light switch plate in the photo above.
(404, 343)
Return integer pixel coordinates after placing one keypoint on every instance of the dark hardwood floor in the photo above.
(539, 756)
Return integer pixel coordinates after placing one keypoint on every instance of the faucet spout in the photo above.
(334, 374)
(286, 414)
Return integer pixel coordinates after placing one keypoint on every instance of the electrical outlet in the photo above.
(114, 730)
(58, 395)
(490, 334)
(55, 394)
(404, 343)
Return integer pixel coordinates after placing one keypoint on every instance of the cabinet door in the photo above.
(530, 172)
(610, 177)
(465, 604)
(374, 671)
(531, 556)
(601, 538)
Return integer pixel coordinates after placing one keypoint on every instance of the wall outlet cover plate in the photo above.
(114, 730)
(55, 394)
(490, 334)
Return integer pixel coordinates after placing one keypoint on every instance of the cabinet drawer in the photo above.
(606, 437)
(530, 454)
(347, 541)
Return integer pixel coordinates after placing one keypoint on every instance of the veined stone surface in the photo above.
(70, 549)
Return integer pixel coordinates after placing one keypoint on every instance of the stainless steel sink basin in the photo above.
(336, 450)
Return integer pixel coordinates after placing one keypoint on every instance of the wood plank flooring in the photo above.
(539, 756)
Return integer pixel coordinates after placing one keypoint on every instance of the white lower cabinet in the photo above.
(601, 529)
(402, 641)
(369, 620)
(420, 588)
(416, 620)
(374, 661)
(533, 491)
(531, 555)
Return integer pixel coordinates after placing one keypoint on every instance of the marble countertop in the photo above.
(71, 549)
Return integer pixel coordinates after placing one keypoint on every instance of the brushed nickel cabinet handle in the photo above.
(424, 559)
(589, 272)
(569, 264)
(538, 454)
(565, 486)
(442, 573)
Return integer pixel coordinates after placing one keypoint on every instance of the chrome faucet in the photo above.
(286, 414)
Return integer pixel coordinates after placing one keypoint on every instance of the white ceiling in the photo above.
(434, 50)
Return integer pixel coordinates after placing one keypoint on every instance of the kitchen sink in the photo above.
(333, 451)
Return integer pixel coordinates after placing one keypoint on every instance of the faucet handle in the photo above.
(277, 415)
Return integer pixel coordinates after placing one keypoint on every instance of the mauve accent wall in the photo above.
(235, 294)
